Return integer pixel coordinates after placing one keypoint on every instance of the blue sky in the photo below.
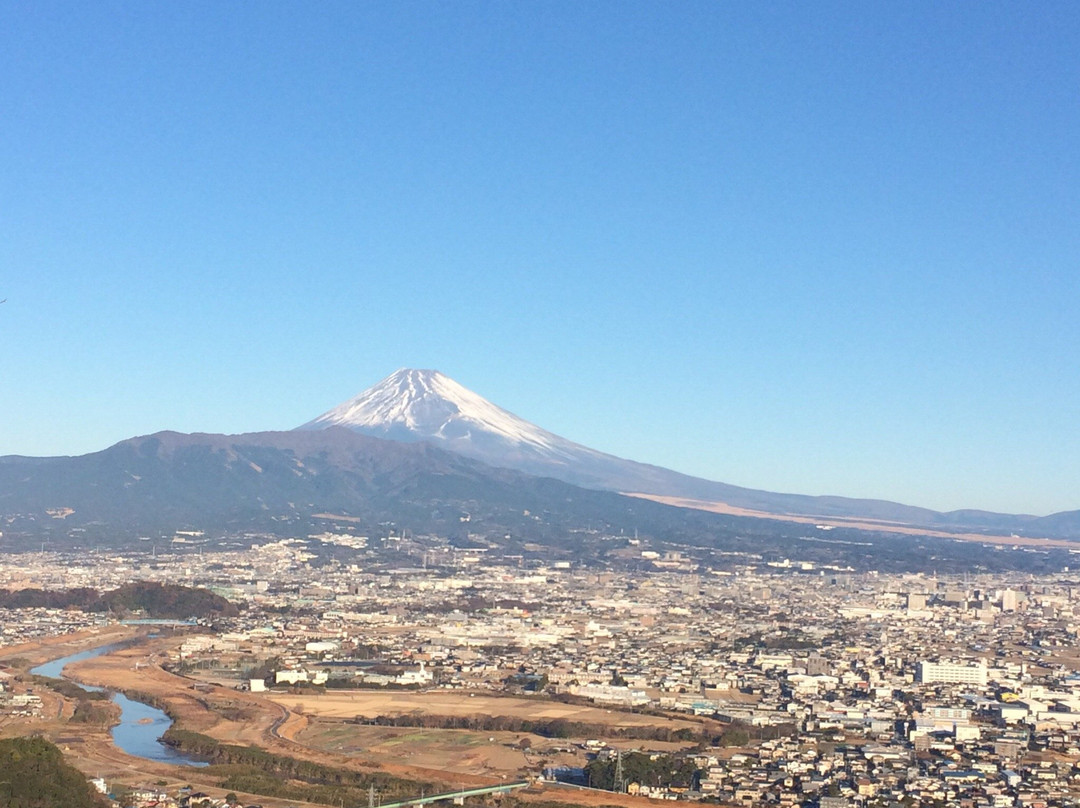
(808, 247)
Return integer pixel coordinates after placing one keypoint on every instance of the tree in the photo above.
(36, 776)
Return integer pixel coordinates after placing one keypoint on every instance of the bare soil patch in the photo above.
(372, 703)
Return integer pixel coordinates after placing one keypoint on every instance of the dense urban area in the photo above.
(721, 677)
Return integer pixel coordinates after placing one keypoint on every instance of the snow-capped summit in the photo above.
(425, 405)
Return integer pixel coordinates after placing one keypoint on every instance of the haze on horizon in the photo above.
(821, 250)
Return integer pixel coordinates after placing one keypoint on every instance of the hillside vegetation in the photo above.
(147, 597)
(36, 776)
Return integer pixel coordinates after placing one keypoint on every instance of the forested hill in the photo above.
(144, 597)
(36, 776)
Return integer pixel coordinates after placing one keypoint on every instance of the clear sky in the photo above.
(807, 247)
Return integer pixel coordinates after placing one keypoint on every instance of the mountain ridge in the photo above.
(414, 405)
(285, 483)
(279, 482)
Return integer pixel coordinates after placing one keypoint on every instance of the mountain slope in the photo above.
(425, 405)
(175, 477)
(284, 484)
(278, 482)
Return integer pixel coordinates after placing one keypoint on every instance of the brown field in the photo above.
(450, 758)
(458, 751)
(448, 750)
(454, 750)
(90, 747)
(858, 524)
(372, 703)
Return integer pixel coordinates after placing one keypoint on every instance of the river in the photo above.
(141, 726)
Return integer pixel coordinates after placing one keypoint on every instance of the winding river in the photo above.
(141, 726)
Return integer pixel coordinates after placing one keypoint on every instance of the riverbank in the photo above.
(230, 717)
(47, 649)
(140, 725)
(89, 747)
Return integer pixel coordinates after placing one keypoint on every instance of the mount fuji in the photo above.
(425, 405)
(421, 450)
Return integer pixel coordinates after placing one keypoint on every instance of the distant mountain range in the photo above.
(427, 406)
(298, 482)
(417, 449)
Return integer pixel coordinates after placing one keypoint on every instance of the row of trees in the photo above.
(255, 781)
(67, 689)
(252, 762)
(545, 727)
(739, 733)
(638, 767)
(91, 706)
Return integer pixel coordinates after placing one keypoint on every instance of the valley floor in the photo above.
(449, 758)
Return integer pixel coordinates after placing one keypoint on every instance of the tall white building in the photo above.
(973, 673)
